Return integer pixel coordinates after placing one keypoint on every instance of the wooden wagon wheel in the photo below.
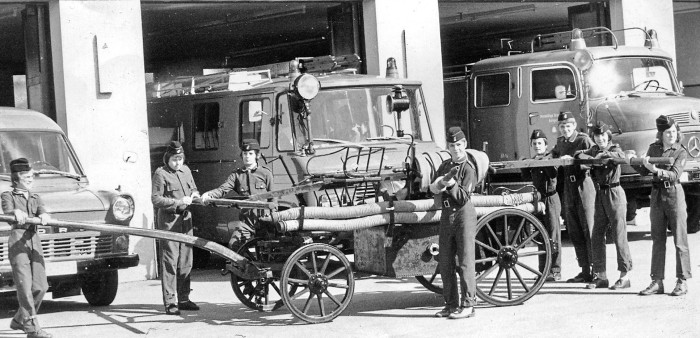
(510, 242)
(326, 285)
(508, 255)
(259, 294)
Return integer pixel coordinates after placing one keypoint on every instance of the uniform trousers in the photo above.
(610, 210)
(176, 263)
(668, 211)
(578, 209)
(29, 274)
(553, 226)
(457, 234)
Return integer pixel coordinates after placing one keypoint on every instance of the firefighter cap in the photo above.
(455, 134)
(250, 144)
(19, 165)
(601, 128)
(538, 133)
(664, 122)
(566, 117)
(174, 148)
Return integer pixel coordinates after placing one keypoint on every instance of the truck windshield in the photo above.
(46, 151)
(358, 114)
(613, 76)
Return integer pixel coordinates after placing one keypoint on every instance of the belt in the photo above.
(25, 226)
(551, 193)
(607, 186)
(574, 178)
(664, 184)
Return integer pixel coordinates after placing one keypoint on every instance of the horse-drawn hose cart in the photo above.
(296, 262)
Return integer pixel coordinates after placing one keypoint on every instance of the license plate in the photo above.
(695, 175)
(61, 268)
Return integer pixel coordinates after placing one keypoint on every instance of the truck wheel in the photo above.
(100, 289)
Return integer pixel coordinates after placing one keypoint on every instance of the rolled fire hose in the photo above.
(364, 210)
(418, 217)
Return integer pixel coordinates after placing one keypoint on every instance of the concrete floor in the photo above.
(386, 307)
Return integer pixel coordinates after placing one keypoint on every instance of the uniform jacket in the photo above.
(245, 182)
(466, 179)
(569, 146)
(604, 174)
(15, 199)
(170, 186)
(671, 173)
(543, 178)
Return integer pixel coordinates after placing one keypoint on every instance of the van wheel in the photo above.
(200, 258)
(100, 288)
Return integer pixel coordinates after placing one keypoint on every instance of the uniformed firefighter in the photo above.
(610, 210)
(668, 208)
(248, 180)
(577, 194)
(173, 191)
(25, 252)
(456, 180)
(545, 181)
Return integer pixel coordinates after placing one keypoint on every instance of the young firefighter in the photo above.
(173, 190)
(545, 180)
(25, 252)
(668, 208)
(577, 194)
(456, 180)
(610, 210)
(248, 180)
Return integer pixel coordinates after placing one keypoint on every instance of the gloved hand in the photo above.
(20, 216)
(45, 218)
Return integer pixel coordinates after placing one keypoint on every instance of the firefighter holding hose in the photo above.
(456, 180)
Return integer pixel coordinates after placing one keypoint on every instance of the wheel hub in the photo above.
(318, 283)
(507, 257)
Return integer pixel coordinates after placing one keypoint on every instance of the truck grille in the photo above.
(71, 246)
(685, 118)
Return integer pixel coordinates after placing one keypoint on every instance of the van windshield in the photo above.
(44, 150)
(613, 76)
(359, 114)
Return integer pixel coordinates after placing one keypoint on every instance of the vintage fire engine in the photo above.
(626, 87)
(75, 259)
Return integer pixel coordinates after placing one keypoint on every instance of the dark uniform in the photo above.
(169, 187)
(667, 211)
(246, 182)
(26, 255)
(545, 181)
(610, 210)
(578, 198)
(457, 232)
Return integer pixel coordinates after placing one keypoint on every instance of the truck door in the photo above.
(493, 113)
(548, 90)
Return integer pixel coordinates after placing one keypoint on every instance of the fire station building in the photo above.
(86, 63)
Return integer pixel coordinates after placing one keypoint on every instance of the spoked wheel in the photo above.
(259, 294)
(512, 240)
(432, 282)
(325, 279)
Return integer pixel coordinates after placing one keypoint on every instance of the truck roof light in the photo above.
(306, 86)
(391, 70)
(652, 40)
(577, 41)
(583, 60)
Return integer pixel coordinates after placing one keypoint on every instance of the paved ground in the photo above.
(384, 307)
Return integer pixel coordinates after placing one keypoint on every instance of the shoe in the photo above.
(39, 334)
(681, 288)
(172, 310)
(581, 278)
(188, 306)
(15, 325)
(444, 313)
(462, 312)
(656, 287)
(553, 277)
(621, 284)
(597, 283)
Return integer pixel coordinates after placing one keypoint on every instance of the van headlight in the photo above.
(123, 208)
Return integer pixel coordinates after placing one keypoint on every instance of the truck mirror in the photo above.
(255, 112)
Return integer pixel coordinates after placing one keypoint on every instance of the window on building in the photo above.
(255, 121)
(492, 90)
(206, 125)
(553, 84)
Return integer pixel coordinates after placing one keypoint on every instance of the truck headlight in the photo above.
(123, 208)
(307, 86)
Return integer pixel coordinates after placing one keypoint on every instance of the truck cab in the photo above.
(327, 122)
(75, 259)
(625, 87)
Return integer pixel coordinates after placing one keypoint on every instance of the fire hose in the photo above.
(418, 217)
(240, 266)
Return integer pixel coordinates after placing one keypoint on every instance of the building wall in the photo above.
(408, 31)
(687, 29)
(98, 65)
(646, 14)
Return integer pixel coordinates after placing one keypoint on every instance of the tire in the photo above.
(100, 289)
